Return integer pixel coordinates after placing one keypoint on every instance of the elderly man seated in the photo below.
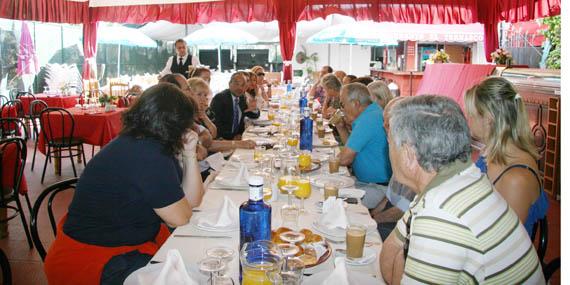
(458, 229)
(231, 106)
(366, 147)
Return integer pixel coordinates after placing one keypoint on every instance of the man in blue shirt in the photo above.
(366, 147)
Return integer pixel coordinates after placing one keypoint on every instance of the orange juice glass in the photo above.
(305, 161)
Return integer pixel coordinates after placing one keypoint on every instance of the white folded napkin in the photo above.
(334, 214)
(351, 193)
(242, 177)
(227, 216)
(172, 272)
(216, 161)
(339, 276)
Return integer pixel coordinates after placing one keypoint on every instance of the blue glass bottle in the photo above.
(289, 86)
(254, 215)
(303, 101)
(306, 142)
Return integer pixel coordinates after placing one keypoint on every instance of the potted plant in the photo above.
(310, 61)
(107, 101)
(502, 56)
(439, 57)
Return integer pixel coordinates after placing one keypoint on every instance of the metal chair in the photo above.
(17, 112)
(3, 100)
(13, 127)
(49, 193)
(13, 150)
(58, 126)
(36, 107)
(541, 228)
(6, 270)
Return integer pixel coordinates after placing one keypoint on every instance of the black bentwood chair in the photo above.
(58, 126)
(12, 164)
(48, 194)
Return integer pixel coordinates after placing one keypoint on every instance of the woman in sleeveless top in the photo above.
(497, 118)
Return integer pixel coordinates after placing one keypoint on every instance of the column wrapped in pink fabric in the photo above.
(452, 79)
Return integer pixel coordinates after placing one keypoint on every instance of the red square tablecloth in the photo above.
(452, 79)
(95, 129)
(51, 101)
(8, 170)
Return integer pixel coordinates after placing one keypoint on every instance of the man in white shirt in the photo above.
(181, 61)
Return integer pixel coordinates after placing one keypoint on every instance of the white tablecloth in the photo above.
(194, 249)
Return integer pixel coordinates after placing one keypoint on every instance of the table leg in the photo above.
(57, 161)
(3, 226)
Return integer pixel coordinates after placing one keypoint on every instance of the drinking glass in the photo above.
(292, 272)
(355, 236)
(305, 161)
(334, 163)
(293, 141)
(258, 152)
(259, 259)
(303, 191)
(330, 190)
(210, 266)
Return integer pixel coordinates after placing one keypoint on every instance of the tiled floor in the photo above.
(27, 267)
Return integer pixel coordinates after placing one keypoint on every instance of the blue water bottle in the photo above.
(289, 86)
(306, 131)
(303, 101)
(254, 215)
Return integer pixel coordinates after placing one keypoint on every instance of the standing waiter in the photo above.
(181, 61)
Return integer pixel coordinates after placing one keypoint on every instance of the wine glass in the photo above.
(210, 266)
(303, 191)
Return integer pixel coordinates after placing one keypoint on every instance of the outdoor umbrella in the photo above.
(357, 33)
(123, 36)
(27, 59)
(218, 34)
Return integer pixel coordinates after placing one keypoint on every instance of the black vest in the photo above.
(182, 69)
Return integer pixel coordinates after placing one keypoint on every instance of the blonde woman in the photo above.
(201, 91)
(380, 93)
(261, 82)
(497, 117)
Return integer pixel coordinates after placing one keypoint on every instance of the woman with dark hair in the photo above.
(143, 181)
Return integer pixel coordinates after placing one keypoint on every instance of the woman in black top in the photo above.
(145, 178)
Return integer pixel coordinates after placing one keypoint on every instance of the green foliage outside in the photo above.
(553, 35)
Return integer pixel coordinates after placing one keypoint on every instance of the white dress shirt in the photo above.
(166, 70)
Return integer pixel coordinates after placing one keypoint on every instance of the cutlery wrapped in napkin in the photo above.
(339, 276)
(172, 272)
(334, 214)
(227, 216)
(242, 177)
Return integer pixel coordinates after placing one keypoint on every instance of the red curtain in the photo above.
(55, 11)
(89, 49)
(402, 11)
(288, 13)
(223, 11)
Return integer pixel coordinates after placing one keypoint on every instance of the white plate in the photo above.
(320, 143)
(215, 230)
(228, 182)
(192, 270)
(259, 130)
(262, 122)
(368, 256)
(337, 180)
(353, 278)
(335, 234)
(351, 193)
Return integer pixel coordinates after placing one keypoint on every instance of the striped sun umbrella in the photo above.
(27, 59)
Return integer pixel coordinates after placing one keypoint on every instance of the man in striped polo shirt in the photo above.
(458, 230)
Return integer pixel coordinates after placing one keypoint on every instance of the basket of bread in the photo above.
(311, 248)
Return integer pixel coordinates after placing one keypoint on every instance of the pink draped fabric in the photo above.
(89, 48)
(452, 80)
(27, 59)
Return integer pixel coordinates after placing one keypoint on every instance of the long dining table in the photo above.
(192, 242)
